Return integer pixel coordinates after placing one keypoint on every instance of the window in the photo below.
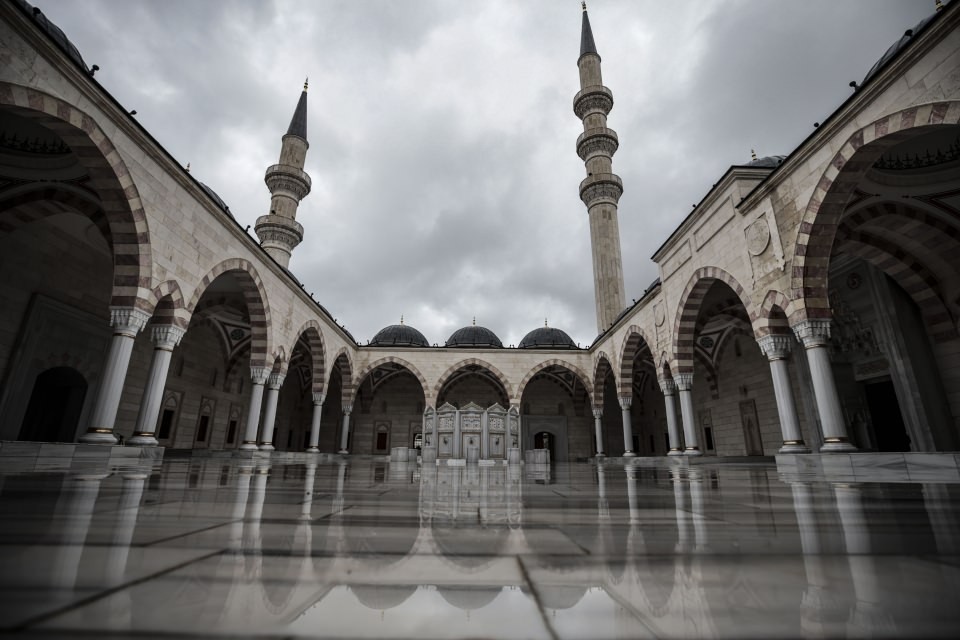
(232, 432)
(708, 437)
(166, 424)
(202, 428)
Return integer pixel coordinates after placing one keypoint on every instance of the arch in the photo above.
(109, 178)
(600, 371)
(255, 296)
(693, 294)
(821, 217)
(21, 212)
(469, 362)
(168, 306)
(318, 351)
(367, 370)
(775, 304)
(344, 365)
(628, 353)
(575, 370)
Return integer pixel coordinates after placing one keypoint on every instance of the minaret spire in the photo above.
(601, 189)
(279, 230)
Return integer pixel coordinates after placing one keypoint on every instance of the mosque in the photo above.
(808, 303)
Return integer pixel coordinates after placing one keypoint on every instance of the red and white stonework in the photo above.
(808, 303)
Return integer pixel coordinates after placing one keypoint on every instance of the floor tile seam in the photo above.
(188, 533)
(43, 617)
(536, 598)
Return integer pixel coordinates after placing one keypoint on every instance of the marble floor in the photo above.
(361, 548)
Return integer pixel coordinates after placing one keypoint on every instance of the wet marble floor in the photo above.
(361, 548)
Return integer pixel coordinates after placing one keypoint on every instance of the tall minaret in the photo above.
(279, 230)
(601, 189)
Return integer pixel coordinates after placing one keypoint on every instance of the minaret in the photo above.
(279, 230)
(601, 189)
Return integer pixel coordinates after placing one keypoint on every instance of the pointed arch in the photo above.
(255, 297)
(471, 362)
(343, 363)
(575, 370)
(109, 177)
(168, 305)
(313, 334)
(367, 370)
(821, 217)
(686, 319)
(633, 343)
(773, 314)
(601, 368)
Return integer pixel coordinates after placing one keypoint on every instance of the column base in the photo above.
(600, 454)
(248, 445)
(794, 446)
(143, 440)
(692, 451)
(266, 446)
(629, 454)
(675, 452)
(343, 452)
(98, 436)
(834, 445)
(313, 450)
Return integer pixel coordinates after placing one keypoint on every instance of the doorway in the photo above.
(56, 402)
(545, 440)
(889, 430)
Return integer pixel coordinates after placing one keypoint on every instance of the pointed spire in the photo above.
(587, 44)
(545, 320)
(753, 154)
(298, 124)
(474, 320)
(401, 320)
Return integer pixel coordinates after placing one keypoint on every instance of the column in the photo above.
(627, 427)
(685, 385)
(484, 436)
(318, 399)
(632, 503)
(345, 432)
(308, 481)
(814, 335)
(435, 429)
(127, 322)
(456, 436)
(235, 535)
(165, 339)
(126, 522)
(598, 429)
(669, 388)
(270, 411)
(777, 349)
(259, 376)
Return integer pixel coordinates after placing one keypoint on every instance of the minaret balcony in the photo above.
(288, 180)
(593, 99)
(279, 231)
(601, 188)
(597, 141)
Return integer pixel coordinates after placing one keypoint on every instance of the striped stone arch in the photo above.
(685, 323)
(341, 360)
(166, 301)
(575, 370)
(769, 320)
(313, 332)
(602, 366)
(109, 178)
(443, 379)
(367, 370)
(632, 343)
(47, 200)
(255, 296)
(710, 374)
(821, 217)
(280, 361)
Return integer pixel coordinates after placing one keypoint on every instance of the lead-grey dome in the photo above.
(55, 33)
(216, 199)
(547, 338)
(897, 47)
(474, 336)
(399, 335)
(767, 162)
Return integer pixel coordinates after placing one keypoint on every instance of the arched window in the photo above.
(168, 418)
(56, 401)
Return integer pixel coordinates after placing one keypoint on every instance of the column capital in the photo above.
(667, 386)
(684, 381)
(598, 413)
(813, 333)
(625, 401)
(166, 336)
(259, 375)
(776, 346)
(347, 409)
(319, 397)
(275, 381)
(128, 321)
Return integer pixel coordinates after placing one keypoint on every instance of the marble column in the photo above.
(235, 535)
(127, 322)
(777, 349)
(817, 602)
(309, 478)
(270, 411)
(598, 430)
(456, 436)
(345, 432)
(484, 436)
(165, 339)
(126, 522)
(258, 375)
(680, 506)
(435, 430)
(314, 446)
(82, 498)
(814, 335)
(698, 513)
(625, 404)
(632, 503)
(669, 388)
(685, 386)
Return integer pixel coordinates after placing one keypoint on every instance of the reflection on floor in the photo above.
(367, 549)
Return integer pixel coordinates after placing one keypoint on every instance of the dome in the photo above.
(547, 338)
(55, 33)
(766, 162)
(469, 598)
(896, 47)
(216, 199)
(474, 336)
(382, 597)
(399, 335)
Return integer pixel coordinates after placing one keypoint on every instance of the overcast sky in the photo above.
(442, 135)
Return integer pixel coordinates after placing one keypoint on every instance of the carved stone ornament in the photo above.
(813, 333)
(128, 321)
(775, 347)
(259, 375)
(668, 386)
(288, 179)
(684, 381)
(276, 381)
(319, 397)
(659, 315)
(758, 236)
(593, 100)
(625, 402)
(597, 141)
(601, 190)
(166, 336)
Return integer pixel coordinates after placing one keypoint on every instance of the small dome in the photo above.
(56, 34)
(382, 597)
(474, 336)
(897, 47)
(399, 335)
(547, 338)
(766, 162)
(216, 199)
(469, 598)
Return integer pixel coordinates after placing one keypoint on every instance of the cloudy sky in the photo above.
(442, 136)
